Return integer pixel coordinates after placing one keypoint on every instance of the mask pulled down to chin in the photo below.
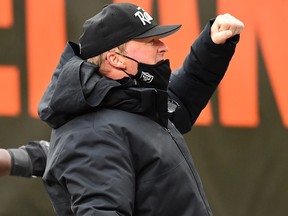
(152, 76)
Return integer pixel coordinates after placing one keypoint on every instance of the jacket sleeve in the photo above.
(97, 173)
(29, 160)
(193, 84)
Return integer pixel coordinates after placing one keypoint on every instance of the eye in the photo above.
(152, 41)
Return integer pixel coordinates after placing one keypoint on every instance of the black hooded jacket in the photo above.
(117, 149)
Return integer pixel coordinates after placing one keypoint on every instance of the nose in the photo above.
(163, 48)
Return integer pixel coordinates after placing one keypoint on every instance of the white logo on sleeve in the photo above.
(143, 16)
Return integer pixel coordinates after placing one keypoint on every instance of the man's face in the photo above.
(148, 50)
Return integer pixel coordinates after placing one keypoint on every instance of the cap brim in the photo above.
(159, 31)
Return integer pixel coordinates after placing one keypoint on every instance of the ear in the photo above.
(115, 60)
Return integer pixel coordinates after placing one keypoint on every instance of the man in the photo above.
(115, 149)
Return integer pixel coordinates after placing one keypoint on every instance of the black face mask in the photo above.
(152, 76)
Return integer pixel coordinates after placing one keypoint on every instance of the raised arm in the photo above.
(194, 83)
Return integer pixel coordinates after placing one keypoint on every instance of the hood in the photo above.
(76, 88)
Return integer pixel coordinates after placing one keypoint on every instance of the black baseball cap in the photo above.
(116, 24)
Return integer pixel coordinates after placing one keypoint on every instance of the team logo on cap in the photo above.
(143, 16)
(146, 77)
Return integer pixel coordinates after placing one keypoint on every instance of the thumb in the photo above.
(221, 36)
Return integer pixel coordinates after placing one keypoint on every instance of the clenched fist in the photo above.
(224, 27)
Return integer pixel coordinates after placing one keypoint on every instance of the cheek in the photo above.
(132, 68)
(145, 55)
(149, 56)
(146, 58)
